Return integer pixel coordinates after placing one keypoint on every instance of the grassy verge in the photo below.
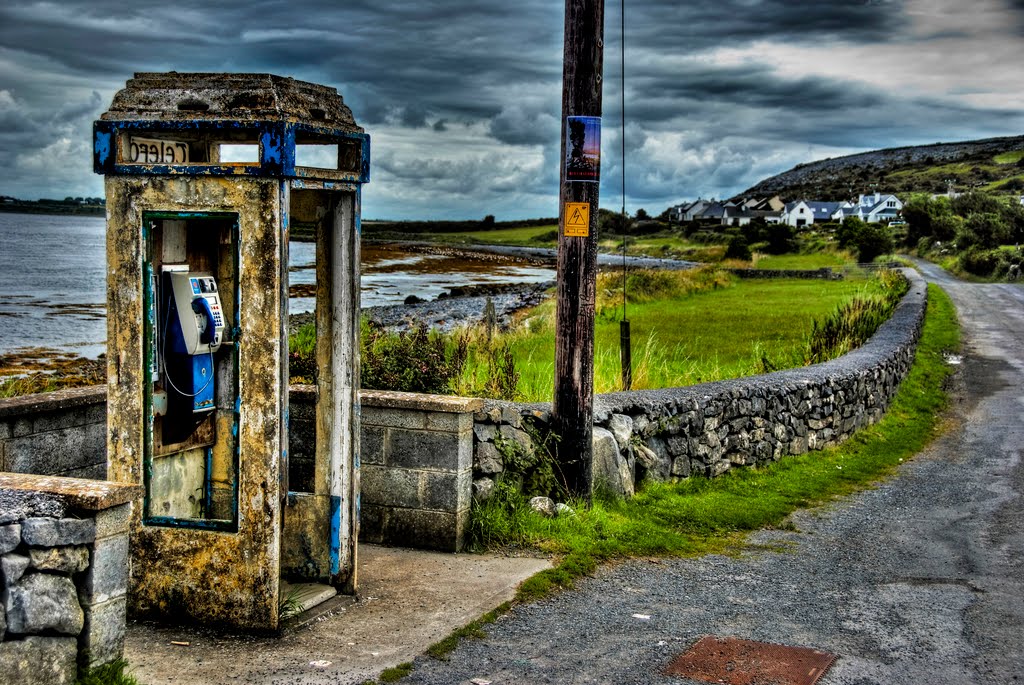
(699, 516)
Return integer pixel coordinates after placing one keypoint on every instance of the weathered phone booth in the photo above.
(205, 174)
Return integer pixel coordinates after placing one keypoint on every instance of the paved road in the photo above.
(920, 580)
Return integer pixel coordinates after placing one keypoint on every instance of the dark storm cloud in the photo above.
(462, 97)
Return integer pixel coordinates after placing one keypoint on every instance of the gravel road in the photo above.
(920, 580)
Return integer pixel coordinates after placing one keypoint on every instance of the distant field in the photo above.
(1009, 157)
(801, 261)
(522, 235)
(724, 333)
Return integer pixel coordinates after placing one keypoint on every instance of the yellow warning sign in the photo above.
(577, 219)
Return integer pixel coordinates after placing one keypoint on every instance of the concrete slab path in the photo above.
(408, 600)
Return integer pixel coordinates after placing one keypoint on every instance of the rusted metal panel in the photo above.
(735, 661)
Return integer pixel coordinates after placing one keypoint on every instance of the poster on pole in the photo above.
(583, 151)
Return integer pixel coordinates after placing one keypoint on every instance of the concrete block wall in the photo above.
(416, 469)
(63, 575)
(61, 433)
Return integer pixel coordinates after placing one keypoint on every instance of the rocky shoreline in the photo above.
(463, 307)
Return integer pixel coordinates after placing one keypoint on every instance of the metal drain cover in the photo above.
(734, 661)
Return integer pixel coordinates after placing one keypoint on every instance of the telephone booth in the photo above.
(205, 175)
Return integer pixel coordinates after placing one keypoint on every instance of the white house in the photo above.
(879, 207)
(797, 214)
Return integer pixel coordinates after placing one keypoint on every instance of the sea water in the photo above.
(53, 281)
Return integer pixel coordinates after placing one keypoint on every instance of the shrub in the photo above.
(872, 241)
(738, 249)
(779, 237)
(416, 360)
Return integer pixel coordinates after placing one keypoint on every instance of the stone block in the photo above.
(372, 519)
(22, 427)
(5, 430)
(420, 529)
(42, 602)
(373, 443)
(384, 486)
(68, 559)
(484, 432)
(488, 459)
(449, 421)
(10, 537)
(518, 438)
(39, 661)
(446, 491)
(610, 470)
(410, 419)
(512, 417)
(102, 639)
(621, 426)
(681, 467)
(12, 568)
(47, 532)
(107, 576)
(58, 451)
(426, 450)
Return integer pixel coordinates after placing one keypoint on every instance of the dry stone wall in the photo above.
(708, 429)
(63, 576)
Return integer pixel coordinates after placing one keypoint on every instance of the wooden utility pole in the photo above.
(573, 410)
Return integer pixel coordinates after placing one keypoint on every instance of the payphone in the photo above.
(192, 330)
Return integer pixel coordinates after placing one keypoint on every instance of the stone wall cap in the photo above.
(76, 493)
(53, 401)
(410, 400)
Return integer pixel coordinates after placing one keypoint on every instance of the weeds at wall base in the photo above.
(107, 674)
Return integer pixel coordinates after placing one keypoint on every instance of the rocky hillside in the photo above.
(993, 164)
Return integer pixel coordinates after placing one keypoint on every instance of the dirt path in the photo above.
(920, 580)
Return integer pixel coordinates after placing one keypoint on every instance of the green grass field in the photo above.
(816, 260)
(735, 328)
(521, 236)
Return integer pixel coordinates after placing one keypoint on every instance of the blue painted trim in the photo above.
(208, 483)
(334, 543)
(277, 141)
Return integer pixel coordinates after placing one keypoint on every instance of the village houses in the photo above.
(873, 208)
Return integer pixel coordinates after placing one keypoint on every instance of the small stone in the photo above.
(12, 568)
(621, 427)
(488, 459)
(39, 660)
(60, 559)
(543, 506)
(483, 488)
(645, 457)
(47, 532)
(562, 509)
(10, 536)
(41, 602)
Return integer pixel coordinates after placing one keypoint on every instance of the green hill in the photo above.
(993, 164)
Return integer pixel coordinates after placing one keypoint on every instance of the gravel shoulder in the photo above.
(918, 580)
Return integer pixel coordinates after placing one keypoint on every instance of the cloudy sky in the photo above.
(461, 97)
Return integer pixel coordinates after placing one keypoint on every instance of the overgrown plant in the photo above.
(417, 360)
(854, 322)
